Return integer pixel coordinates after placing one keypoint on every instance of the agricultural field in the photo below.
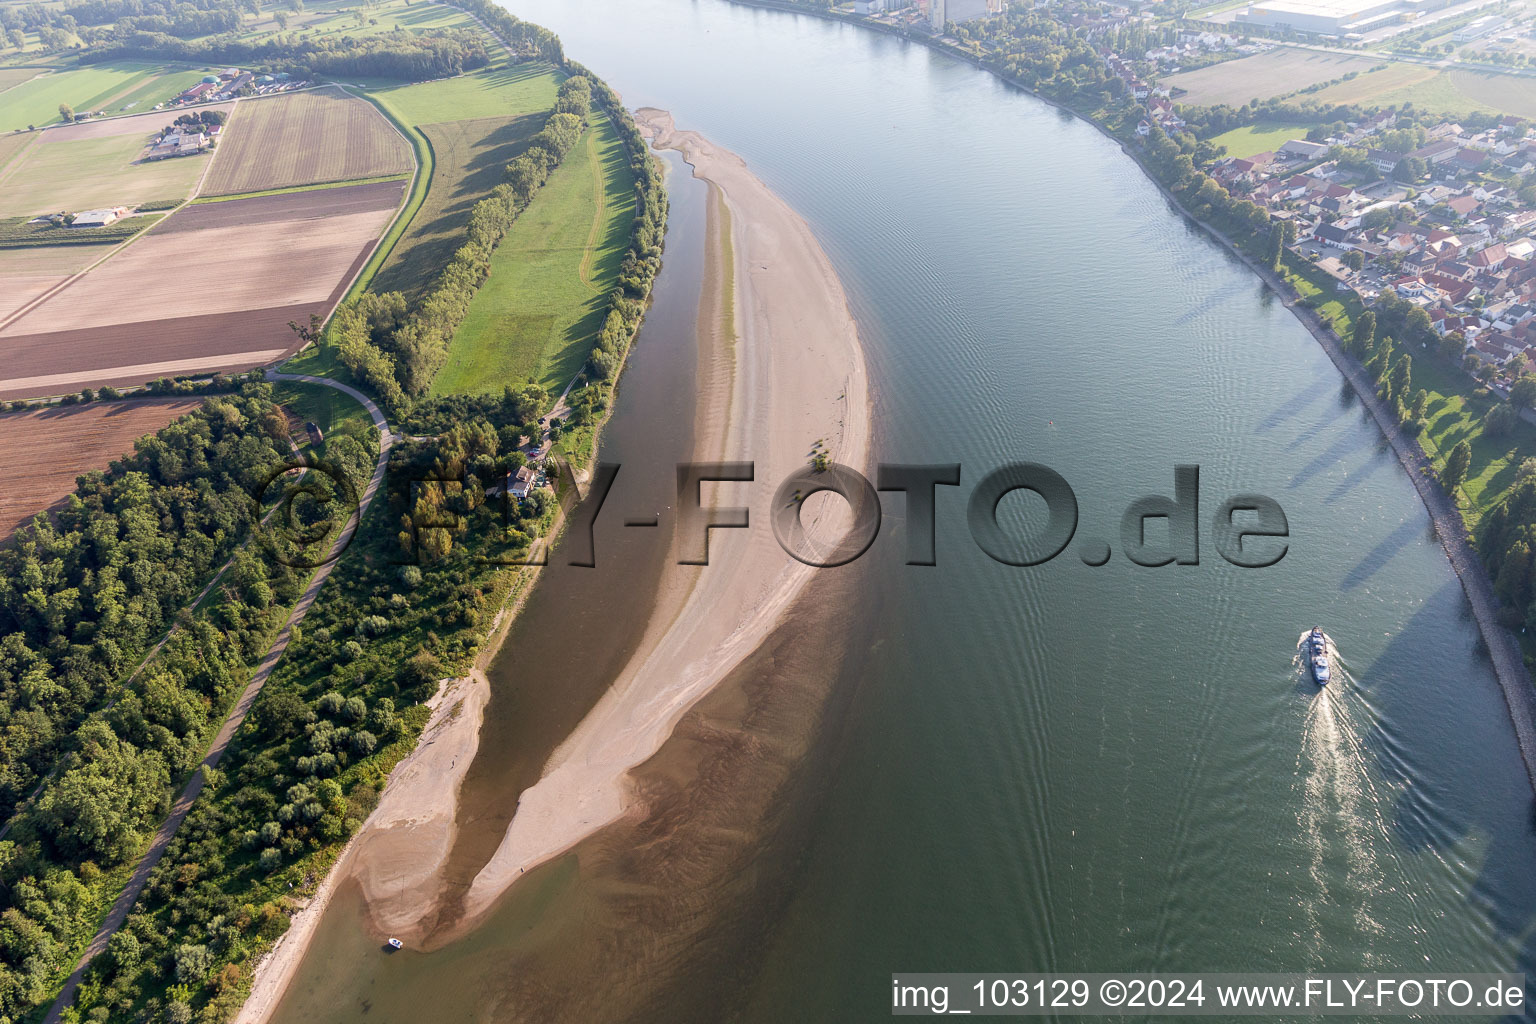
(305, 138)
(86, 173)
(1278, 72)
(342, 18)
(26, 274)
(1441, 92)
(539, 312)
(1253, 139)
(211, 288)
(12, 77)
(1504, 93)
(160, 88)
(1367, 89)
(98, 87)
(470, 159)
(499, 90)
(11, 145)
(42, 451)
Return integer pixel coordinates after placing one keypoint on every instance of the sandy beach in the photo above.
(402, 844)
(781, 369)
(799, 378)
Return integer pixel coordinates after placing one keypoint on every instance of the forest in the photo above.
(94, 735)
(411, 57)
(409, 604)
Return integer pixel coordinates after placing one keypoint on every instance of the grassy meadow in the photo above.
(87, 173)
(469, 160)
(100, 86)
(500, 90)
(538, 314)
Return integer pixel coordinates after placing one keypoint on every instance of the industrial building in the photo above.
(1334, 17)
(1479, 28)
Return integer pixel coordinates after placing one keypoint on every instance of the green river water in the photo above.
(1020, 769)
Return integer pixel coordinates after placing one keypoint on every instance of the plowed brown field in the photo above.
(42, 452)
(212, 289)
(304, 138)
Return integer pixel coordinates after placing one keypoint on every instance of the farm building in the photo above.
(99, 218)
(176, 144)
(202, 91)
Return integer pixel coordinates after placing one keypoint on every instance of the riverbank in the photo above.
(1504, 651)
(791, 374)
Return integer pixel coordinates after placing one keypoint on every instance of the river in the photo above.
(1018, 769)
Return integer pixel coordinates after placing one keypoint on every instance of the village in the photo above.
(1442, 225)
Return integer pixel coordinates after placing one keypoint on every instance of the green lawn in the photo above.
(470, 159)
(160, 88)
(334, 412)
(329, 18)
(501, 90)
(1455, 414)
(1322, 294)
(540, 310)
(1266, 136)
(37, 102)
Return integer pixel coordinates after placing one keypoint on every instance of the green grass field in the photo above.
(1455, 414)
(37, 102)
(1436, 90)
(1266, 136)
(464, 151)
(159, 88)
(88, 173)
(333, 18)
(12, 77)
(540, 310)
(470, 161)
(501, 90)
(334, 412)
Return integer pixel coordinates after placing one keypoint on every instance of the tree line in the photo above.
(84, 596)
(406, 56)
(523, 38)
(642, 261)
(397, 348)
(337, 714)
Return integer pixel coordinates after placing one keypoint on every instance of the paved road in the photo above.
(236, 717)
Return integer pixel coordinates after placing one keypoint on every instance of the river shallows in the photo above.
(1068, 768)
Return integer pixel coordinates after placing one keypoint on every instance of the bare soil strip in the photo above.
(43, 451)
(212, 288)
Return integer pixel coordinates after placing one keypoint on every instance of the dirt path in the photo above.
(595, 155)
(167, 831)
